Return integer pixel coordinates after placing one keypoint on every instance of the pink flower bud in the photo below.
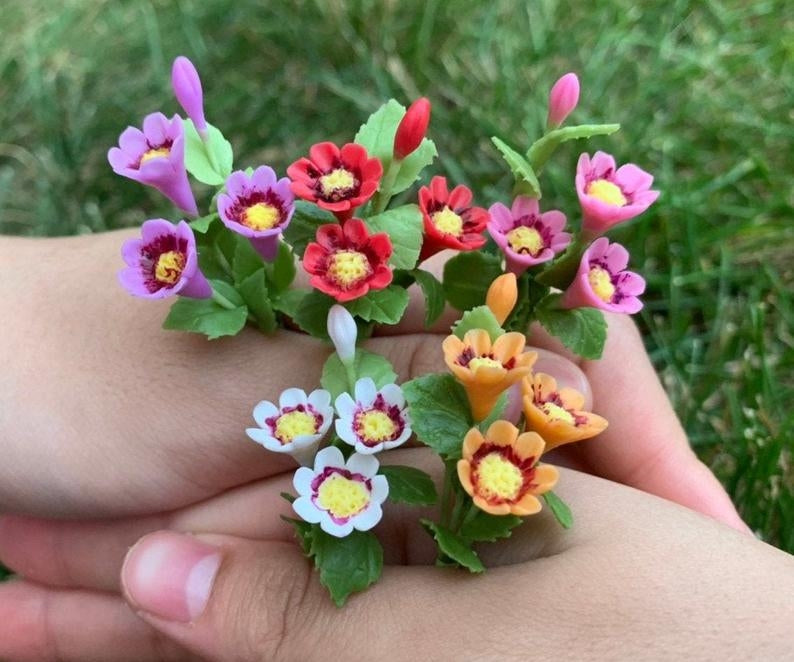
(187, 89)
(563, 98)
(412, 128)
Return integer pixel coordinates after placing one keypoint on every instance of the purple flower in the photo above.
(609, 196)
(526, 236)
(602, 281)
(563, 98)
(257, 207)
(156, 157)
(163, 262)
(187, 90)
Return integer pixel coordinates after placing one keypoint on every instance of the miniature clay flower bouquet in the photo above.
(489, 417)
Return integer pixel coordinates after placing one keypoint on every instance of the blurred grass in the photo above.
(703, 90)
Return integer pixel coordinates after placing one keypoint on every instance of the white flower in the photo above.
(296, 426)
(376, 420)
(340, 496)
(343, 332)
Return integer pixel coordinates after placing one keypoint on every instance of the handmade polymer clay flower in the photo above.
(609, 196)
(485, 369)
(156, 157)
(258, 207)
(557, 414)
(343, 332)
(335, 179)
(450, 221)
(163, 262)
(526, 236)
(563, 98)
(376, 420)
(296, 426)
(502, 296)
(340, 496)
(346, 261)
(500, 470)
(187, 89)
(412, 128)
(602, 281)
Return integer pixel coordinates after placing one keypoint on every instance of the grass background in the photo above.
(703, 90)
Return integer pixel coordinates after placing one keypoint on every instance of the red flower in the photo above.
(450, 220)
(412, 128)
(338, 180)
(346, 262)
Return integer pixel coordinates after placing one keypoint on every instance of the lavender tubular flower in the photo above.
(187, 90)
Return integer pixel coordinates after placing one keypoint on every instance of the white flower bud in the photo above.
(343, 332)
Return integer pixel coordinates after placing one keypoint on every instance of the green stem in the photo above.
(222, 301)
(383, 195)
(446, 494)
(350, 372)
(562, 273)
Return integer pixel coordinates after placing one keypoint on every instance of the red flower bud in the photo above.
(412, 129)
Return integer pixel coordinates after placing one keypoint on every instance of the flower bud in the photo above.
(343, 332)
(563, 98)
(187, 89)
(412, 128)
(502, 296)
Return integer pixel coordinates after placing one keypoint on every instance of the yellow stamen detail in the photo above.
(499, 478)
(483, 361)
(601, 282)
(607, 192)
(160, 152)
(294, 424)
(448, 222)
(342, 497)
(526, 240)
(169, 267)
(375, 425)
(260, 216)
(348, 267)
(557, 413)
(337, 180)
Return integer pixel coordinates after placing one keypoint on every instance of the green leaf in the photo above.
(559, 509)
(485, 527)
(289, 301)
(410, 485)
(201, 224)
(377, 133)
(312, 314)
(227, 291)
(582, 330)
(302, 229)
(303, 531)
(542, 149)
(348, 564)
(365, 364)
(245, 259)
(526, 179)
(413, 164)
(255, 293)
(382, 306)
(440, 414)
(205, 316)
(282, 271)
(480, 317)
(467, 277)
(210, 162)
(404, 227)
(434, 294)
(455, 547)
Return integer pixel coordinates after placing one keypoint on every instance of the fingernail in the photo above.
(170, 576)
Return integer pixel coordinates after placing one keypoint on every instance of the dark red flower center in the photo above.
(163, 261)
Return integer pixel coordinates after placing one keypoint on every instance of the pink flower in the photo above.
(526, 236)
(609, 196)
(603, 282)
(563, 98)
(187, 90)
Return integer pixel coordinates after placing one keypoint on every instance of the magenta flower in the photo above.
(187, 90)
(258, 207)
(609, 196)
(156, 157)
(526, 236)
(163, 262)
(563, 98)
(603, 282)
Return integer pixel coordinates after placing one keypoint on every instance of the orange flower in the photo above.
(500, 470)
(485, 369)
(556, 414)
(502, 296)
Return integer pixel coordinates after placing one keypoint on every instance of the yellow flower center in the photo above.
(261, 216)
(448, 222)
(348, 267)
(483, 361)
(498, 477)
(337, 180)
(169, 267)
(158, 153)
(294, 424)
(342, 497)
(601, 282)
(607, 192)
(375, 425)
(526, 240)
(557, 413)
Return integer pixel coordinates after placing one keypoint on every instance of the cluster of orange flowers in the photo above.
(499, 469)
